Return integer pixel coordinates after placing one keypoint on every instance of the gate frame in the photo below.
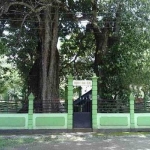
(70, 102)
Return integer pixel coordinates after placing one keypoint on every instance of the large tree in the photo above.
(110, 23)
(43, 76)
(117, 33)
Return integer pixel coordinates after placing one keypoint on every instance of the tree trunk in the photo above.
(44, 74)
(50, 59)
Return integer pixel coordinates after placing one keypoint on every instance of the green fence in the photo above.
(132, 120)
(49, 120)
(11, 118)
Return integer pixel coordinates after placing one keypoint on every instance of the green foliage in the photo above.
(77, 56)
(22, 52)
(2, 48)
(10, 81)
(125, 61)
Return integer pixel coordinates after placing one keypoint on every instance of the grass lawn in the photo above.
(14, 141)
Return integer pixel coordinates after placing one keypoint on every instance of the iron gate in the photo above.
(82, 116)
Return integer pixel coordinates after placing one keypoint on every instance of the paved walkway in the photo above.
(85, 141)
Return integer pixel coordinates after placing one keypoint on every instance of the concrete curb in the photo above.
(57, 131)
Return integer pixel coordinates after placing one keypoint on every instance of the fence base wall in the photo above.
(59, 121)
(50, 121)
(142, 120)
(13, 121)
(113, 121)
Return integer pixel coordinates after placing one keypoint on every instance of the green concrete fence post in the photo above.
(132, 123)
(94, 102)
(70, 102)
(30, 111)
(66, 97)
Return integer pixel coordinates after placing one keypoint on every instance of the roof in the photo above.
(83, 98)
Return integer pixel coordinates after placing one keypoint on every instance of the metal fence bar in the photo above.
(142, 107)
(20, 106)
(113, 106)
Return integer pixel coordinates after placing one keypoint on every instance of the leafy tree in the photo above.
(10, 81)
(44, 84)
(77, 56)
(118, 42)
(120, 31)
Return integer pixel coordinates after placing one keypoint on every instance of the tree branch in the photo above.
(117, 20)
(94, 9)
(19, 3)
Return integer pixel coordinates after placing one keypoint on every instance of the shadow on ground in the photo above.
(77, 141)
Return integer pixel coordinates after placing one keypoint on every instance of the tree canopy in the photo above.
(106, 37)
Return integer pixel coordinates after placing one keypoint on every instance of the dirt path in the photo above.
(84, 141)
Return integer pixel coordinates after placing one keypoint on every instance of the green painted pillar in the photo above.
(30, 111)
(70, 102)
(132, 123)
(94, 102)
(145, 102)
(66, 97)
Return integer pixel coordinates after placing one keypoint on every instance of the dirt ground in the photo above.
(77, 141)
